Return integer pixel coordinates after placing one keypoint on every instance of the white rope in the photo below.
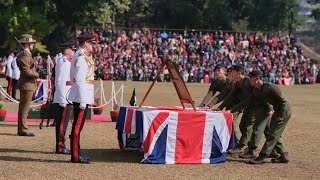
(96, 91)
(113, 95)
(10, 98)
(5, 94)
(122, 90)
(102, 95)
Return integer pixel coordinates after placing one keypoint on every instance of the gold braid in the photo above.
(88, 60)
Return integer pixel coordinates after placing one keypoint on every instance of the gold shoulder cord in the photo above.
(91, 63)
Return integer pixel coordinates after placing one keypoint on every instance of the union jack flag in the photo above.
(177, 136)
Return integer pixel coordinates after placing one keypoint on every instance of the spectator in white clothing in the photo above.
(15, 77)
(9, 71)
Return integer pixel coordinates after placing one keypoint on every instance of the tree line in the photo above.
(54, 21)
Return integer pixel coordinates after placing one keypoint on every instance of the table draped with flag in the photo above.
(172, 135)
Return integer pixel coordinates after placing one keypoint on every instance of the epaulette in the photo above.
(80, 53)
(87, 58)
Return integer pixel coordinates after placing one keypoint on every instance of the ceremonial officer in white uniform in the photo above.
(9, 71)
(15, 77)
(62, 87)
(82, 91)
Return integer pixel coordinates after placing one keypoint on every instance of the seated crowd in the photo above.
(136, 55)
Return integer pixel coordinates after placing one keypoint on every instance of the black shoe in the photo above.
(274, 154)
(64, 151)
(284, 158)
(53, 124)
(239, 149)
(30, 134)
(82, 160)
(252, 153)
(259, 160)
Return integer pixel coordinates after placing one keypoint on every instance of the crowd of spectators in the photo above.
(136, 55)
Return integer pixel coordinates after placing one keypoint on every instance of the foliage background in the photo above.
(55, 21)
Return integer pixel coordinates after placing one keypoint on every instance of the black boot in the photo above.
(81, 160)
(274, 154)
(259, 160)
(252, 153)
(284, 158)
(64, 151)
(239, 149)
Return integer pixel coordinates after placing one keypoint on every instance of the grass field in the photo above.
(34, 158)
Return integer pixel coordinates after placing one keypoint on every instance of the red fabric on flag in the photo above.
(190, 131)
(128, 124)
(229, 121)
(158, 120)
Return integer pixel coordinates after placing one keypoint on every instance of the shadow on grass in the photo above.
(3, 150)
(245, 161)
(27, 159)
(112, 155)
(8, 134)
(14, 124)
(237, 159)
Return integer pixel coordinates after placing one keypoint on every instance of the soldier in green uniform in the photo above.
(271, 94)
(241, 91)
(217, 84)
(261, 124)
(220, 97)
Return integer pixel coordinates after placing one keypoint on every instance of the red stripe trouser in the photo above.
(77, 125)
(9, 85)
(62, 116)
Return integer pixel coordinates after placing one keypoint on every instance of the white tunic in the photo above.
(15, 69)
(8, 67)
(82, 78)
(62, 79)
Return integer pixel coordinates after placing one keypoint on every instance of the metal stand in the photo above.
(47, 113)
(49, 105)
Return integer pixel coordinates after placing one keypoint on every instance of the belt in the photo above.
(90, 81)
(87, 81)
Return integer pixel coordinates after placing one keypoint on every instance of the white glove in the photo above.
(83, 105)
(62, 105)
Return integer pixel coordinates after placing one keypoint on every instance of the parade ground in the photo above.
(34, 158)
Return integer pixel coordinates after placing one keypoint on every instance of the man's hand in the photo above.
(269, 113)
(280, 119)
(83, 105)
(203, 107)
(63, 105)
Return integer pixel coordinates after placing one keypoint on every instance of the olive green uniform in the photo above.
(241, 91)
(217, 85)
(220, 97)
(270, 93)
